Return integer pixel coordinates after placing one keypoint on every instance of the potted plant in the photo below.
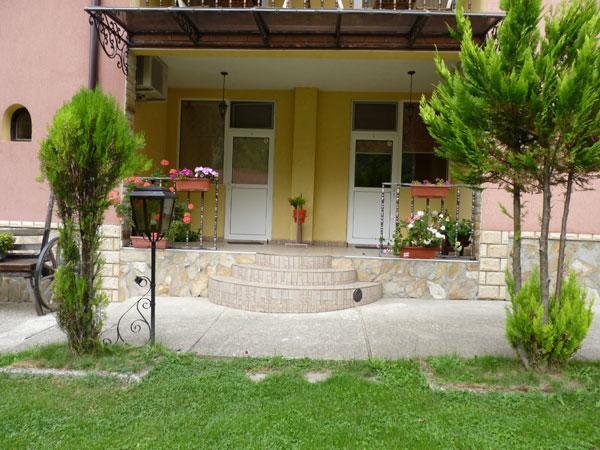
(419, 237)
(197, 180)
(458, 236)
(425, 189)
(7, 241)
(299, 214)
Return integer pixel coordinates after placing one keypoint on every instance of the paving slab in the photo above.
(389, 328)
(330, 335)
(407, 328)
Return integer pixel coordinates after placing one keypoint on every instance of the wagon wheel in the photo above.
(43, 276)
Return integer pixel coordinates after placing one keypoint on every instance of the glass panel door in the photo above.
(372, 163)
(248, 181)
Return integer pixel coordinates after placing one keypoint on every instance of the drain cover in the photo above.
(357, 295)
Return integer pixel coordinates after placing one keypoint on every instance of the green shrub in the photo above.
(177, 232)
(89, 149)
(554, 342)
(7, 241)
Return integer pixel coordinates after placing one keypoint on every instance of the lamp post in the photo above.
(151, 212)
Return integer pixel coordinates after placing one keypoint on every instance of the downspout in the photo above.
(93, 52)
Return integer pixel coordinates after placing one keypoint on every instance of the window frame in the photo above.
(402, 152)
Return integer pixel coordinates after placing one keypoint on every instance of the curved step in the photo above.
(293, 261)
(292, 277)
(250, 296)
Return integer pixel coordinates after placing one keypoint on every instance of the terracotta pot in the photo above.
(429, 191)
(193, 185)
(141, 242)
(302, 215)
(419, 252)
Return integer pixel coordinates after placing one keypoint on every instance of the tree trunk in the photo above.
(543, 243)
(516, 264)
(563, 237)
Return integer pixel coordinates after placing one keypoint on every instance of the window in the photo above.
(418, 159)
(373, 163)
(251, 115)
(20, 125)
(202, 134)
(375, 116)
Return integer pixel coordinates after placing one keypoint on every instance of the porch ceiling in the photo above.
(327, 74)
(289, 28)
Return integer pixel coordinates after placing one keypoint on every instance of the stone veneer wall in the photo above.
(582, 255)
(185, 273)
(14, 289)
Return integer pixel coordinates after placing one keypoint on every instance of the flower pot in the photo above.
(429, 191)
(299, 213)
(193, 185)
(142, 242)
(419, 252)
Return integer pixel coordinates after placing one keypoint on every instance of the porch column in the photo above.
(303, 154)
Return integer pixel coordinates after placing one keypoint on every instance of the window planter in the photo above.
(419, 252)
(193, 185)
(429, 191)
(141, 242)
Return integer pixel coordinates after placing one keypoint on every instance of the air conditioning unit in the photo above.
(150, 79)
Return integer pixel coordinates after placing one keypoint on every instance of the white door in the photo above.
(248, 180)
(373, 160)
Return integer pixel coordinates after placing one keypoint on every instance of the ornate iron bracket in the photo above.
(139, 322)
(187, 26)
(113, 38)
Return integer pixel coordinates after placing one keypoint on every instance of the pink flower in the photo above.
(164, 162)
(190, 206)
(187, 219)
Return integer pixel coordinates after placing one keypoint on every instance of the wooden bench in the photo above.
(35, 261)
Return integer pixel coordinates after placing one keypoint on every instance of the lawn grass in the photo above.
(509, 373)
(113, 358)
(192, 402)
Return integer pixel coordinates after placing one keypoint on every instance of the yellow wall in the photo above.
(328, 205)
(284, 101)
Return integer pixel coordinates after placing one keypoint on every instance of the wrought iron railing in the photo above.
(430, 5)
(458, 191)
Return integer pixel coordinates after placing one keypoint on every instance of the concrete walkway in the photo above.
(389, 328)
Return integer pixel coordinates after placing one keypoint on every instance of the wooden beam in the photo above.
(262, 27)
(416, 29)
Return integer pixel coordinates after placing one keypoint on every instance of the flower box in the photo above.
(419, 252)
(142, 242)
(193, 185)
(429, 191)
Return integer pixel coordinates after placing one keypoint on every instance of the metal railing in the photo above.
(429, 5)
(165, 181)
(395, 188)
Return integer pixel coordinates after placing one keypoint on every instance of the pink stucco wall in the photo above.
(44, 51)
(584, 214)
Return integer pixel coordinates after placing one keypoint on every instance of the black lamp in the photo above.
(223, 103)
(151, 212)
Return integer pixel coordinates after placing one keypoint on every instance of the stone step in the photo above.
(260, 297)
(292, 277)
(293, 261)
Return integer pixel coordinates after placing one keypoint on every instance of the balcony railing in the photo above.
(461, 194)
(419, 5)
